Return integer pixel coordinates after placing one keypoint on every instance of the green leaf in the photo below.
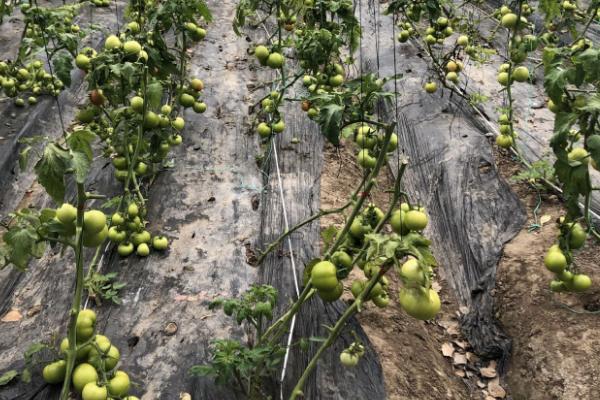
(8, 376)
(81, 164)
(63, 64)
(328, 236)
(330, 119)
(81, 141)
(551, 9)
(593, 146)
(24, 157)
(556, 81)
(21, 243)
(592, 104)
(51, 170)
(26, 375)
(154, 92)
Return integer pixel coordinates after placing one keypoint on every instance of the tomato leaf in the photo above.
(8, 376)
(63, 64)
(154, 92)
(51, 170)
(24, 157)
(593, 146)
(20, 244)
(328, 236)
(555, 82)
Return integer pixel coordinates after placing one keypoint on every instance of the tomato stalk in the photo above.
(307, 221)
(76, 302)
(337, 329)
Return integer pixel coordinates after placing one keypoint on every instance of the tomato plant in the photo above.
(138, 89)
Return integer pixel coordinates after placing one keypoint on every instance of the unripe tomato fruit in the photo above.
(555, 261)
(415, 220)
(54, 373)
(160, 242)
(94, 221)
(348, 359)
(324, 276)
(119, 385)
(92, 391)
(421, 304)
(84, 374)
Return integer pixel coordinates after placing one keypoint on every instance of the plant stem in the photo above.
(307, 221)
(337, 329)
(76, 302)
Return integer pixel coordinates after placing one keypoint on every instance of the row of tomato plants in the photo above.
(309, 43)
(316, 43)
(451, 36)
(138, 91)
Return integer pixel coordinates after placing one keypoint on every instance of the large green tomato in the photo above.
(110, 358)
(577, 236)
(160, 242)
(54, 373)
(119, 384)
(342, 259)
(397, 222)
(555, 261)
(142, 237)
(82, 351)
(66, 214)
(95, 240)
(84, 374)
(415, 220)
(92, 391)
(348, 359)
(324, 276)
(412, 272)
(84, 326)
(94, 221)
(580, 283)
(332, 295)
(420, 303)
(125, 249)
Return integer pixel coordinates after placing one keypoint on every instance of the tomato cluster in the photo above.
(95, 376)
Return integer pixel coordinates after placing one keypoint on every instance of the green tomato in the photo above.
(84, 328)
(92, 391)
(133, 210)
(84, 374)
(143, 250)
(95, 240)
(186, 100)
(509, 20)
(381, 300)
(324, 276)
(579, 154)
(112, 42)
(66, 214)
(415, 220)
(275, 60)
(116, 235)
(580, 283)
(132, 48)
(125, 249)
(420, 303)
(263, 129)
(577, 237)
(119, 385)
(199, 107)
(332, 295)
(555, 261)
(261, 52)
(142, 237)
(82, 62)
(430, 87)
(341, 259)
(365, 160)
(504, 141)
(278, 126)
(160, 243)
(412, 272)
(520, 74)
(348, 359)
(54, 373)
(178, 123)
(357, 287)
